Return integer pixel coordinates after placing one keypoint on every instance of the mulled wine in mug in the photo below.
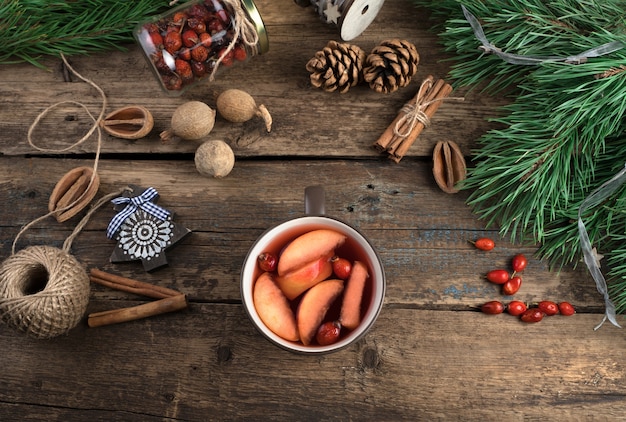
(313, 284)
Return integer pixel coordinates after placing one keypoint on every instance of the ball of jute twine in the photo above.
(44, 291)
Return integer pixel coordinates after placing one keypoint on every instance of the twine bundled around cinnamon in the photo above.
(413, 118)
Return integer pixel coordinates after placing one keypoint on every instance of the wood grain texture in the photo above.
(430, 356)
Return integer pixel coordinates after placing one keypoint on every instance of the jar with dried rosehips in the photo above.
(192, 41)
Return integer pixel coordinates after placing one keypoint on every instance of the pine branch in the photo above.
(564, 133)
(30, 29)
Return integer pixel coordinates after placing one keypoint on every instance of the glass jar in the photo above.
(191, 42)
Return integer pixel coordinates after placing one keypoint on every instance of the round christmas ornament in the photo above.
(351, 16)
(143, 229)
(337, 67)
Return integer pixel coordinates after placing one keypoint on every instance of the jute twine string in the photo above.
(414, 113)
(44, 291)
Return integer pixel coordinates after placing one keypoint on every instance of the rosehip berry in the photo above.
(183, 68)
(328, 333)
(566, 309)
(532, 315)
(498, 276)
(512, 286)
(172, 82)
(519, 263)
(341, 267)
(516, 308)
(493, 307)
(240, 53)
(199, 53)
(267, 261)
(197, 25)
(184, 53)
(484, 244)
(172, 42)
(227, 58)
(198, 69)
(179, 18)
(199, 11)
(215, 26)
(549, 308)
(205, 39)
(157, 40)
(190, 38)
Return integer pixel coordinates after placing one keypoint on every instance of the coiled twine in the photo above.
(44, 291)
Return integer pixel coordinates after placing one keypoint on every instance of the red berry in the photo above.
(227, 58)
(498, 276)
(215, 26)
(183, 68)
(267, 261)
(492, 308)
(196, 24)
(190, 38)
(328, 333)
(179, 18)
(341, 267)
(484, 244)
(519, 263)
(199, 11)
(157, 40)
(205, 39)
(184, 53)
(199, 53)
(172, 82)
(512, 286)
(532, 315)
(172, 42)
(240, 53)
(566, 309)
(548, 307)
(198, 69)
(516, 308)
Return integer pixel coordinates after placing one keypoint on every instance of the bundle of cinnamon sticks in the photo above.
(168, 300)
(413, 118)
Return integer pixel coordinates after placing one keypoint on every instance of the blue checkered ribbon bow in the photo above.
(143, 201)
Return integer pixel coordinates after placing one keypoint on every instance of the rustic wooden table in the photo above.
(430, 356)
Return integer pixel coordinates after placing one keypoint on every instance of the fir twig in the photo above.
(30, 29)
(563, 134)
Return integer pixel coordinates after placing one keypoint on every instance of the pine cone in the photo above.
(337, 67)
(391, 65)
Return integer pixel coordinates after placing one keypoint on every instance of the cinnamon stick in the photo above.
(382, 143)
(158, 307)
(439, 93)
(129, 285)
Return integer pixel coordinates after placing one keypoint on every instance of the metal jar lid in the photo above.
(256, 19)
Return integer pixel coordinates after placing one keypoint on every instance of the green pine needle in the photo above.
(564, 132)
(30, 29)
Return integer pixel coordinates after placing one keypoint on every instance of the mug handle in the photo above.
(314, 200)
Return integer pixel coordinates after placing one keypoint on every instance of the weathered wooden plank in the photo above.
(420, 232)
(209, 363)
(307, 121)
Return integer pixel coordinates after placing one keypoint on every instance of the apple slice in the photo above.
(350, 316)
(274, 309)
(314, 305)
(309, 247)
(293, 284)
